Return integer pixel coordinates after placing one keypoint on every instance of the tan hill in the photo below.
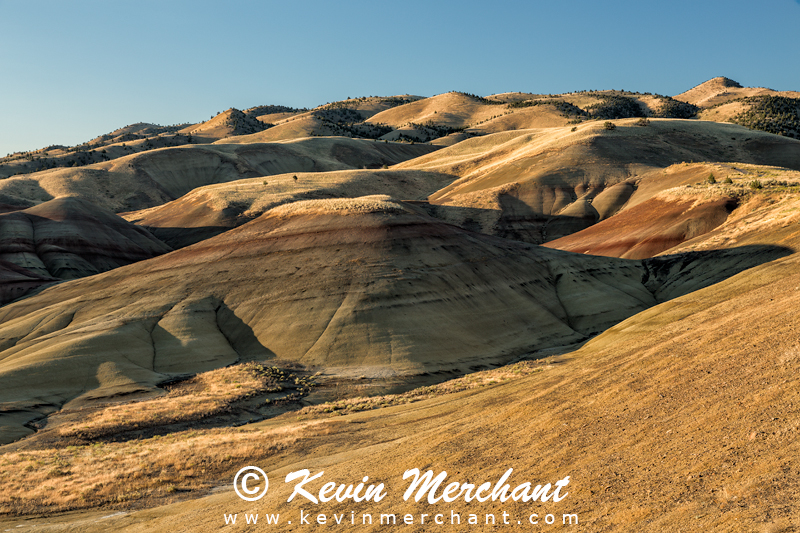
(695, 214)
(159, 176)
(539, 185)
(69, 238)
(541, 116)
(455, 110)
(354, 287)
(429, 119)
(692, 401)
(270, 114)
(721, 90)
(226, 124)
(724, 100)
(345, 118)
(133, 138)
(208, 211)
(295, 127)
(326, 120)
(134, 132)
(404, 117)
(369, 106)
(710, 92)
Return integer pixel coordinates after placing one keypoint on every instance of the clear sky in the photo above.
(70, 71)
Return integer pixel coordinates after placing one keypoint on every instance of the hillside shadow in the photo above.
(517, 221)
(671, 276)
(240, 336)
(180, 237)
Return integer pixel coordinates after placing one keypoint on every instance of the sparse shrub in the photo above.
(774, 114)
(574, 128)
(756, 184)
(613, 106)
(567, 110)
(644, 121)
(671, 108)
(609, 126)
(711, 179)
(727, 181)
(270, 109)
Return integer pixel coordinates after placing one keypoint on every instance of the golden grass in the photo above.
(378, 203)
(161, 469)
(468, 382)
(112, 474)
(205, 395)
(741, 176)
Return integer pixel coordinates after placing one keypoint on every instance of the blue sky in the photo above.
(75, 70)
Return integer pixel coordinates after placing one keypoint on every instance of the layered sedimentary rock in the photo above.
(69, 238)
(366, 287)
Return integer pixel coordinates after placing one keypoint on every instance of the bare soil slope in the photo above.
(211, 210)
(356, 287)
(159, 176)
(69, 238)
(16, 282)
(539, 185)
(682, 417)
(658, 218)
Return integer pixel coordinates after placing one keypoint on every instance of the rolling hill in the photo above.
(354, 287)
(208, 211)
(278, 292)
(155, 177)
(540, 185)
(69, 238)
(682, 414)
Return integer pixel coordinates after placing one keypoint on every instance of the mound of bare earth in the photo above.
(540, 185)
(158, 176)
(364, 286)
(211, 210)
(683, 414)
(69, 238)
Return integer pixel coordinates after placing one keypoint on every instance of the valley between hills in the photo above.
(600, 284)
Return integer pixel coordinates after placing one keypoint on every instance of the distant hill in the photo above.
(213, 209)
(69, 238)
(444, 119)
(724, 100)
(360, 286)
(540, 185)
(155, 177)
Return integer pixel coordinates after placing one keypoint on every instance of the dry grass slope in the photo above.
(540, 185)
(211, 210)
(695, 214)
(683, 414)
(159, 176)
(308, 282)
